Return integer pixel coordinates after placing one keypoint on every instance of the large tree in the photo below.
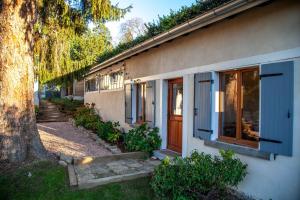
(131, 29)
(22, 23)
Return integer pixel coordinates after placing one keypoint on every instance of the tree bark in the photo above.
(19, 138)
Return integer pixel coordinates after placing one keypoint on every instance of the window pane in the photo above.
(141, 92)
(250, 105)
(229, 88)
(177, 99)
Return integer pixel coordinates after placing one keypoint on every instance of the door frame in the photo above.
(169, 110)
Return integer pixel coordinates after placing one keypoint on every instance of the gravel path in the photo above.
(62, 137)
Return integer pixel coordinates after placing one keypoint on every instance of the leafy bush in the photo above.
(196, 176)
(67, 105)
(89, 119)
(109, 131)
(142, 138)
(36, 110)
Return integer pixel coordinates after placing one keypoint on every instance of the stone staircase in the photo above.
(49, 112)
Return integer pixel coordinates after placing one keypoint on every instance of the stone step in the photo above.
(162, 154)
(49, 112)
(94, 171)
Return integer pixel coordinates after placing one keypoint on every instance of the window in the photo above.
(239, 107)
(177, 98)
(91, 85)
(140, 102)
(112, 81)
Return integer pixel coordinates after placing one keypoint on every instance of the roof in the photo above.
(226, 10)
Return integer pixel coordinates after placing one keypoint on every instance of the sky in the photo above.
(147, 10)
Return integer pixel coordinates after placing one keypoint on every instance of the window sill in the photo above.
(247, 151)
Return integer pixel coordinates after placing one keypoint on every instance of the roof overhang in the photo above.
(210, 17)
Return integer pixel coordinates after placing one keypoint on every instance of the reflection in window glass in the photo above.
(229, 88)
(250, 105)
(239, 97)
(141, 98)
(177, 99)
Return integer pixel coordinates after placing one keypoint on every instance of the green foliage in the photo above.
(67, 105)
(64, 46)
(49, 181)
(108, 131)
(36, 110)
(142, 138)
(195, 176)
(87, 118)
(165, 23)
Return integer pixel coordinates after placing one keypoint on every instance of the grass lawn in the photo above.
(50, 181)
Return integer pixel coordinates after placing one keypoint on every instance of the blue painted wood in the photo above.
(128, 103)
(277, 87)
(150, 104)
(202, 105)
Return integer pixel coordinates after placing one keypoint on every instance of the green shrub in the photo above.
(87, 118)
(195, 176)
(67, 105)
(142, 138)
(109, 131)
(36, 110)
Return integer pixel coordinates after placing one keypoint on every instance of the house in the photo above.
(74, 90)
(228, 79)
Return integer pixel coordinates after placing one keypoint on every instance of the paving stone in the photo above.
(118, 169)
(135, 165)
(62, 163)
(67, 159)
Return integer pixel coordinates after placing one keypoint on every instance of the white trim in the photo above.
(163, 113)
(188, 96)
(232, 64)
(188, 86)
(91, 92)
(113, 90)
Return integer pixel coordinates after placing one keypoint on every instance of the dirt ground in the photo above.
(62, 137)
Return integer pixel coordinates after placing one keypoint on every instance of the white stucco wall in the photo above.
(275, 179)
(261, 35)
(109, 104)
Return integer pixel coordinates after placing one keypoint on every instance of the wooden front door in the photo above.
(175, 103)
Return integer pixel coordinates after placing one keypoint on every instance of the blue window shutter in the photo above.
(128, 103)
(150, 103)
(202, 105)
(276, 134)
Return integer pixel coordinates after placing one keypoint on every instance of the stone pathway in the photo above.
(90, 160)
(115, 168)
(49, 112)
(63, 138)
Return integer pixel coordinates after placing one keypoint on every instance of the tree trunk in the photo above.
(19, 138)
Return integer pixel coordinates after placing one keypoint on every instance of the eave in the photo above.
(210, 17)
